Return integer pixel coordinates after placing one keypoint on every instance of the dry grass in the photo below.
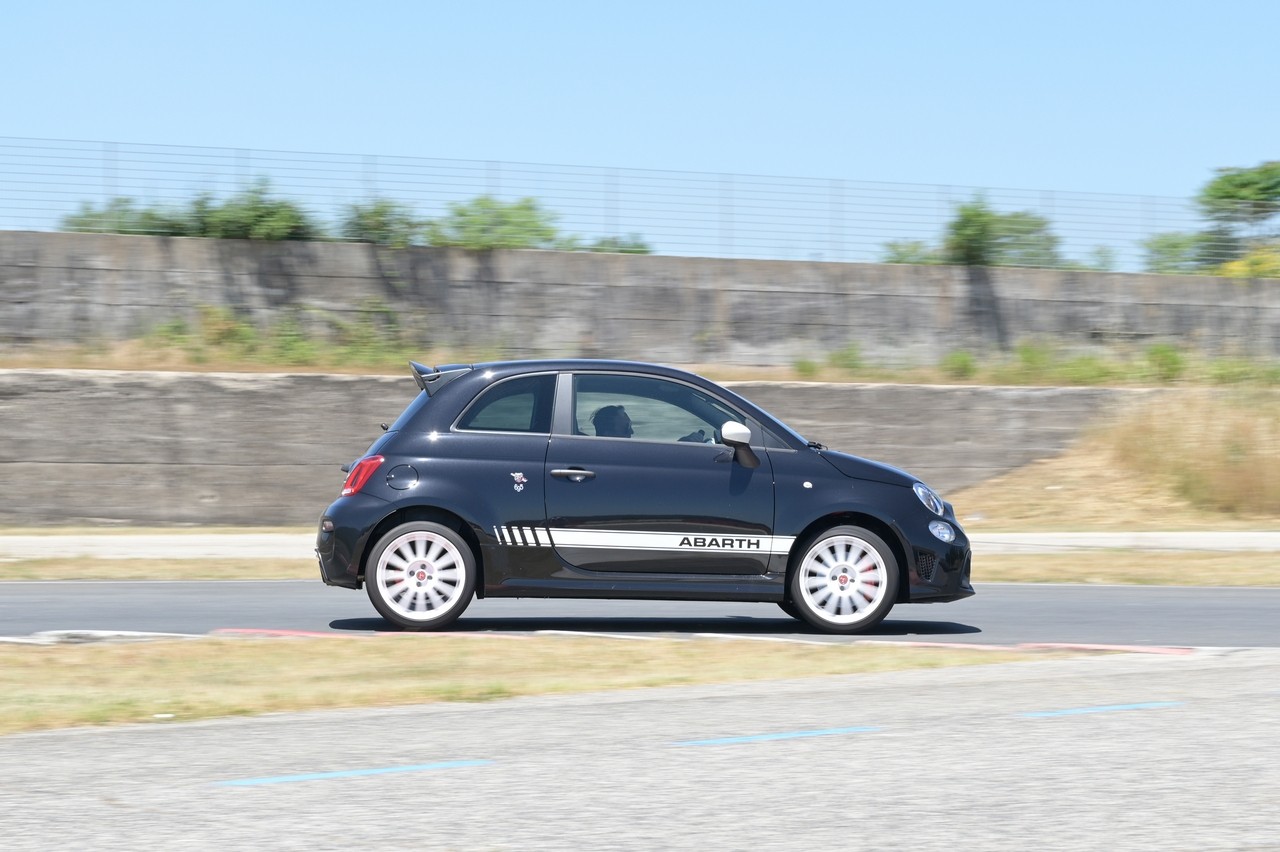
(1197, 460)
(61, 686)
(1219, 449)
(160, 569)
(1131, 567)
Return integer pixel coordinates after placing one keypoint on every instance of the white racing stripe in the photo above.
(676, 542)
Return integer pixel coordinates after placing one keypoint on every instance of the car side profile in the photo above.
(625, 480)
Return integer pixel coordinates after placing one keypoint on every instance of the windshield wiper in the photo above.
(814, 445)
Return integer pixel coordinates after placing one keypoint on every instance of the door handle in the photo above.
(574, 474)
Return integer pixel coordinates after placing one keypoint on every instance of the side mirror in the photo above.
(738, 436)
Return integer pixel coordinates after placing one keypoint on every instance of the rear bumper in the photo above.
(341, 550)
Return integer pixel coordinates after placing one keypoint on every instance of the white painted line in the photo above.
(587, 633)
(783, 639)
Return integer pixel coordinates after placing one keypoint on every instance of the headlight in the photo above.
(929, 498)
(942, 531)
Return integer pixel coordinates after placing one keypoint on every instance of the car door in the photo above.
(636, 480)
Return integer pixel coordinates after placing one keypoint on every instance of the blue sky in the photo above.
(1143, 98)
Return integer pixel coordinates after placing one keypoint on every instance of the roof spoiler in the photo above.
(431, 379)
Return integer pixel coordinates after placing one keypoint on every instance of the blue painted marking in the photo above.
(352, 773)
(1109, 708)
(789, 735)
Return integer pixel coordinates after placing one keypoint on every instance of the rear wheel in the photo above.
(845, 581)
(421, 576)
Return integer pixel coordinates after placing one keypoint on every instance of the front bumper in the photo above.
(945, 581)
(940, 572)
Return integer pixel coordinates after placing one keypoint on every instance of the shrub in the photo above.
(630, 244)
(252, 214)
(1165, 362)
(1259, 262)
(848, 359)
(381, 222)
(486, 222)
(1086, 370)
(805, 369)
(960, 365)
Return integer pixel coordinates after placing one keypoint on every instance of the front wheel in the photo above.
(421, 576)
(846, 580)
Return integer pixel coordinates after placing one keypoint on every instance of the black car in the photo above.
(612, 479)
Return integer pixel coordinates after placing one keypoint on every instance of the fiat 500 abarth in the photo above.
(612, 479)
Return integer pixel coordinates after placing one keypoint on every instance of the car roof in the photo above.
(582, 364)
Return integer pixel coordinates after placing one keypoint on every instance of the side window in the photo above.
(516, 405)
(646, 408)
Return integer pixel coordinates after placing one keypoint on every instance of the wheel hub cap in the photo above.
(845, 579)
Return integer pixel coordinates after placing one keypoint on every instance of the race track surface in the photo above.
(1128, 752)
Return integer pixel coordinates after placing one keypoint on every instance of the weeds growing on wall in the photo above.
(1044, 363)
(372, 339)
(375, 338)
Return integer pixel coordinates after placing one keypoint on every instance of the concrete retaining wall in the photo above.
(58, 287)
(247, 449)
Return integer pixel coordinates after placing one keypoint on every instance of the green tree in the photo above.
(488, 223)
(979, 236)
(382, 222)
(1189, 253)
(1023, 238)
(971, 235)
(1242, 196)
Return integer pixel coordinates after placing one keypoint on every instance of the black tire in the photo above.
(843, 580)
(421, 576)
(790, 609)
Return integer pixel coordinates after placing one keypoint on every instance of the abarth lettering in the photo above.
(722, 542)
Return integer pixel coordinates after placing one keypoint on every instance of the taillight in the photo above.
(360, 474)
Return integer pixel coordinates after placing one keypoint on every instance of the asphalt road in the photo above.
(1000, 614)
(1126, 752)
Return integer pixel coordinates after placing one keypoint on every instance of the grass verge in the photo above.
(63, 686)
(160, 569)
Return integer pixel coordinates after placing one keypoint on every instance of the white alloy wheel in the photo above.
(421, 575)
(846, 581)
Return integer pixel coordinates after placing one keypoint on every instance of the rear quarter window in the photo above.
(522, 404)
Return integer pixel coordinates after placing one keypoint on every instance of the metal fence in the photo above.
(677, 213)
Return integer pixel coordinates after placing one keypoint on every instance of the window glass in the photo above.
(647, 408)
(516, 405)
